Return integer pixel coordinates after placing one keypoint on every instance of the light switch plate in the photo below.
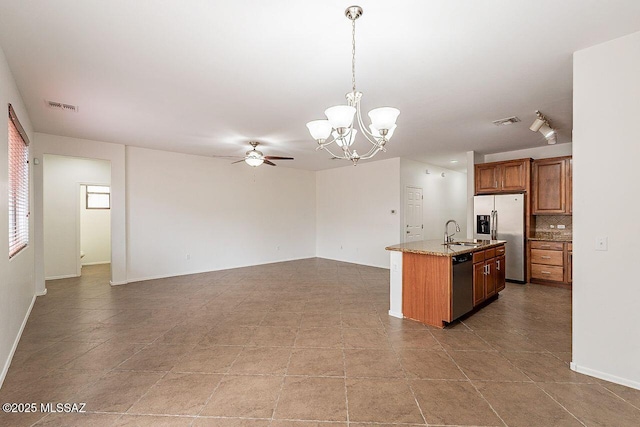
(602, 244)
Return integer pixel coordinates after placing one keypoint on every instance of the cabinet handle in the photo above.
(545, 257)
(498, 267)
(495, 184)
(545, 272)
(545, 246)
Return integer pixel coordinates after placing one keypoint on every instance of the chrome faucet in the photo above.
(448, 238)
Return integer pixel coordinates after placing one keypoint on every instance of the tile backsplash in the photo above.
(545, 222)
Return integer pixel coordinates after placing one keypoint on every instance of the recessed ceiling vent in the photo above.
(61, 106)
(508, 121)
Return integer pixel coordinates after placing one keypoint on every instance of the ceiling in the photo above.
(205, 77)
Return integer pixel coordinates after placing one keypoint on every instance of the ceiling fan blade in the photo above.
(267, 162)
(228, 157)
(239, 161)
(277, 158)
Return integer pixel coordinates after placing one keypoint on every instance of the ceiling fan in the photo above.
(255, 158)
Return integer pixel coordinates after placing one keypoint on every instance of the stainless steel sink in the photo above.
(461, 244)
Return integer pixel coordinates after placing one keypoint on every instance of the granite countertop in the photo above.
(552, 237)
(437, 248)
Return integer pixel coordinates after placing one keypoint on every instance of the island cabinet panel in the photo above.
(501, 281)
(426, 288)
(488, 273)
(478, 283)
(490, 280)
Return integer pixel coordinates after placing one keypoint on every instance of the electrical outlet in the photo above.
(552, 226)
(602, 244)
(188, 256)
(395, 266)
(561, 226)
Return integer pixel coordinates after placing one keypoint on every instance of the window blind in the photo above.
(18, 185)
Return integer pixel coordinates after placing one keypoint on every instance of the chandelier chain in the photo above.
(353, 55)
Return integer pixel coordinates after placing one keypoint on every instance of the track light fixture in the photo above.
(541, 124)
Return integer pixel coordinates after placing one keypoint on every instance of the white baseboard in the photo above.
(604, 376)
(112, 283)
(42, 293)
(64, 276)
(385, 267)
(96, 263)
(164, 276)
(396, 314)
(7, 363)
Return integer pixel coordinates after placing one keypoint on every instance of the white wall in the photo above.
(17, 292)
(95, 232)
(84, 148)
(606, 295)
(61, 208)
(220, 215)
(445, 197)
(354, 219)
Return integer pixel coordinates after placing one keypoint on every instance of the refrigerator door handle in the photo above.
(493, 228)
(495, 225)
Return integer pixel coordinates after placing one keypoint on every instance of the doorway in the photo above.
(63, 179)
(95, 224)
(413, 199)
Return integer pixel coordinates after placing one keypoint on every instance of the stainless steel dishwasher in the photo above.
(462, 284)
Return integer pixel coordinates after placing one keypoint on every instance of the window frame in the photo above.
(87, 192)
(19, 191)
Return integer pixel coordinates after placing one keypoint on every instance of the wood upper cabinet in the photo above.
(552, 186)
(502, 177)
(487, 177)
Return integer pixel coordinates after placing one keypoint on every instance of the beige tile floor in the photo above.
(297, 344)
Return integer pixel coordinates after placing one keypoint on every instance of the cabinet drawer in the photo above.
(547, 272)
(490, 253)
(554, 246)
(500, 250)
(478, 256)
(543, 256)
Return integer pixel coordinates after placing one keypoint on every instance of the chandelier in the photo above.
(340, 127)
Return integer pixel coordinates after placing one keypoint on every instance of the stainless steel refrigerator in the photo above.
(502, 217)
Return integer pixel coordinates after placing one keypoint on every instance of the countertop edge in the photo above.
(470, 249)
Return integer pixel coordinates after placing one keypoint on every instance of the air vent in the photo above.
(61, 106)
(508, 121)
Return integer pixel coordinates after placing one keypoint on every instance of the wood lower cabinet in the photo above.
(501, 269)
(550, 262)
(502, 177)
(488, 274)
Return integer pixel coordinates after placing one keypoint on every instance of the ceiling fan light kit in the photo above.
(255, 158)
(342, 120)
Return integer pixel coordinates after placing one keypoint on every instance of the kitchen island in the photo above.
(435, 283)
